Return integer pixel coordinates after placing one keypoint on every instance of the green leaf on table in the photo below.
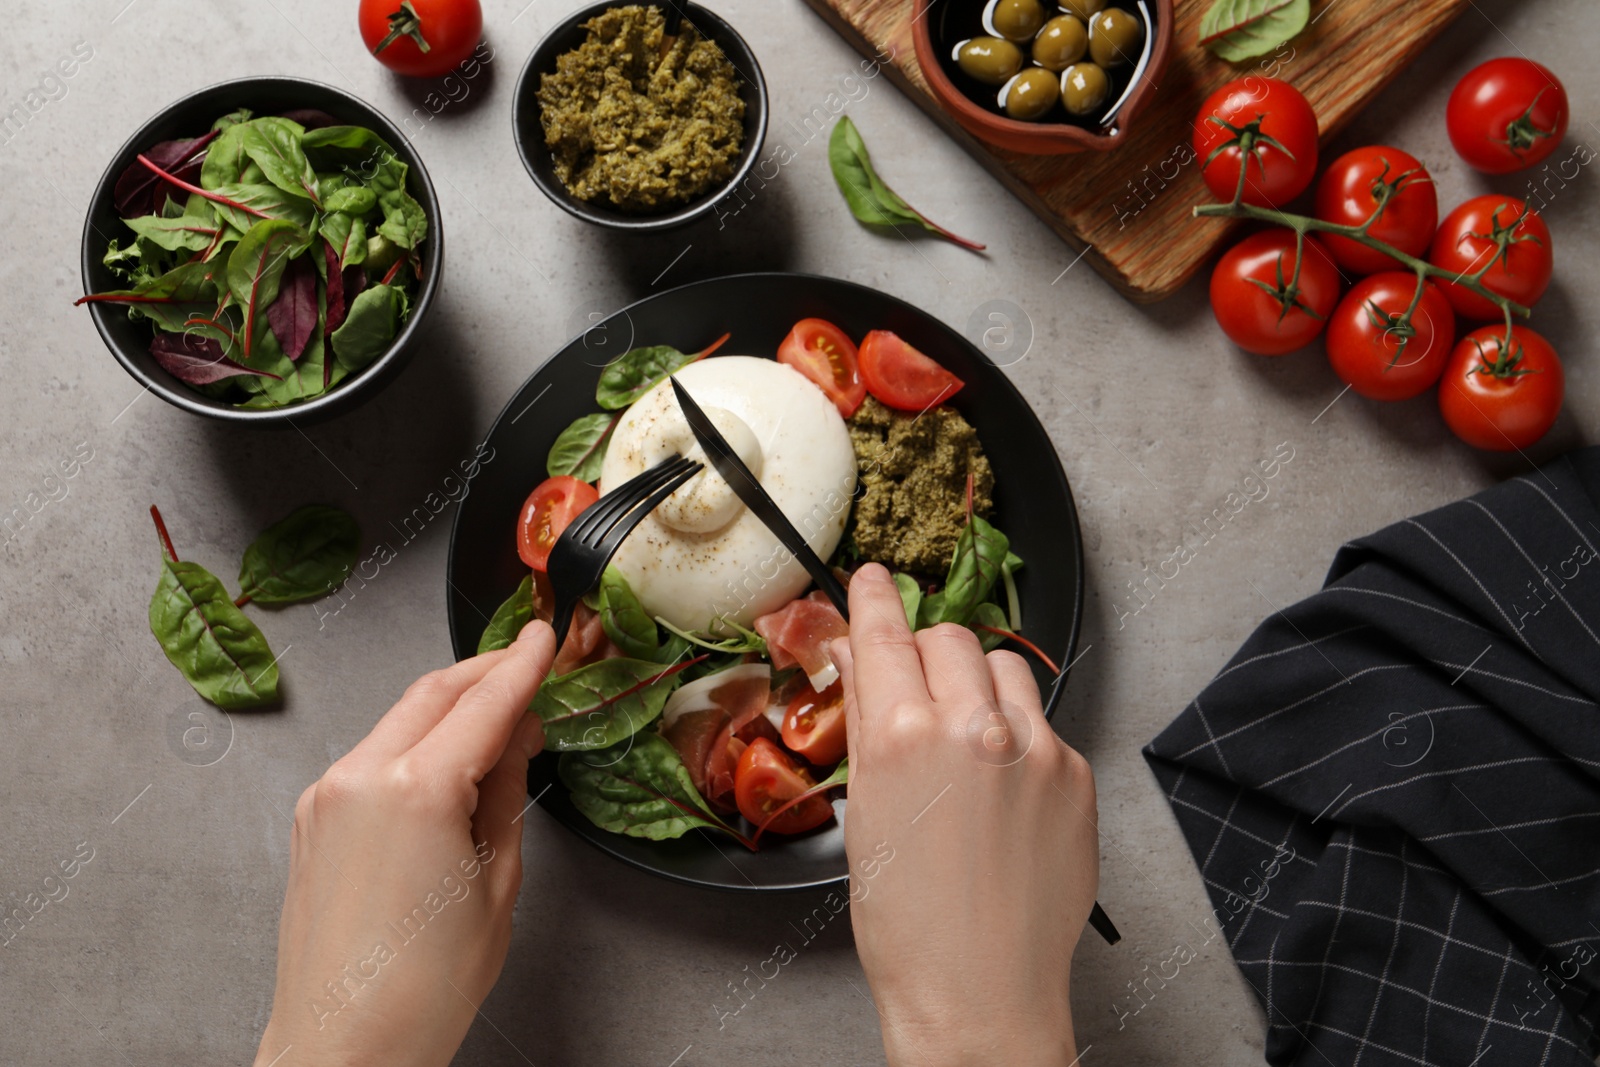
(273, 144)
(980, 553)
(871, 200)
(624, 619)
(581, 448)
(632, 374)
(639, 787)
(910, 596)
(604, 702)
(255, 267)
(220, 651)
(351, 199)
(1240, 30)
(509, 618)
(305, 556)
(368, 328)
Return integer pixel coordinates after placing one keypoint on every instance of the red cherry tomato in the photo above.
(1355, 185)
(1467, 241)
(1255, 304)
(813, 725)
(1380, 357)
(1497, 398)
(552, 505)
(1506, 114)
(1283, 128)
(825, 354)
(902, 377)
(765, 780)
(397, 32)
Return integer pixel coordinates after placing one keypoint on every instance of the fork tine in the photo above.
(605, 512)
(612, 538)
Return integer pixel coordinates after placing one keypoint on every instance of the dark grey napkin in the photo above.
(1392, 791)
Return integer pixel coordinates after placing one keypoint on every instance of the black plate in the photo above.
(1032, 500)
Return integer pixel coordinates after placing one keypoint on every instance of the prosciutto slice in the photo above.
(798, 634)
(701, 720)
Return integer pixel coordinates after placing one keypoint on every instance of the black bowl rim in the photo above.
(1052, 699)
(643, 223)
(348, 393)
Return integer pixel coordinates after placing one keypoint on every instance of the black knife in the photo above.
(728, 464)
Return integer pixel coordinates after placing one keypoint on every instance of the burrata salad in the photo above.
(696, 688)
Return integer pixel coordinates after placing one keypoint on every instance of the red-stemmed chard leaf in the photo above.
(310, 118)
(336, 306)
(294, 314)
(139, 191)
(196, 360)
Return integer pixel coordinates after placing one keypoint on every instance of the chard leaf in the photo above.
(624, 619)
(509, 618)
(195, 360)
(1240, 30)
(187, 232)
(980, 554)
(581, 448)
(871, 200)
(369, 327)
(635, 372)
(274, 146)
(220, 651)
(603, 703)
(141, 191)
(640, 788)
(305, 556)
(225, 160)
(352, 200)
(989, 614)
(256, 266)
(293, 316)
(264, 200)
(910, 596)
(348, 236)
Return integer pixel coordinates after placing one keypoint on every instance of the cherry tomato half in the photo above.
(1506, 114)
(813, 725)
(552, 505)
(1255, 304)
(1501, 399)
(1380, 357)
(902, 377)
(1277, 118)
(1469, 237)
(825, 354)
(1359, 183)
(765, 780)
(421, 38)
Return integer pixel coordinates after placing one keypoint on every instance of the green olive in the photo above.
(1083, 9)
(1084, 87)
(989, 60)
(1017, 20)
(1061, 43)
(1031, 94)
(1114, 37)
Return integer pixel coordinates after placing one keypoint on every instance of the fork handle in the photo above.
(562, 621)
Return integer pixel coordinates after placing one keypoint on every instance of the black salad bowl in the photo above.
(192, 116)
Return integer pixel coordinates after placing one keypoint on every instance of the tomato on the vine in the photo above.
(1366, 180)
(1505, 235)
(1501, 397)
(765, 780)
(1258, 301)
(550, 509)
(1506, 114)
(826, 355)
(421, 38)
(1271, 121)
(1377, 354)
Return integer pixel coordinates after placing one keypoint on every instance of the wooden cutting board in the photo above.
(1129, 209)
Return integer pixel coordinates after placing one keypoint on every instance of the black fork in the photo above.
(584, 548)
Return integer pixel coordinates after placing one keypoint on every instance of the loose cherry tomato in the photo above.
(552, 505)
(765, 780)
(1506, 114)
(1503, 233)
(1366, 180)
(1253, 298)
(1380, 357)
(1281, 131)
(1501, 398)
(902, 377)
(421, 38)
(813, 725)
(825, 354)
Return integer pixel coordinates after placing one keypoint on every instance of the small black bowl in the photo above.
(191, 116)
(528, 131)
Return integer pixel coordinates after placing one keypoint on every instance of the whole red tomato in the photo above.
(1381, 357)
(1506, 114)
(1258, 301)
(1501, 397)
(1502, 234)
(421, 38)
(1366, 180)
(1281, 130)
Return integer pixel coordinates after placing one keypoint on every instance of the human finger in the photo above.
(957, 676)
(887, 669)
(423, 704)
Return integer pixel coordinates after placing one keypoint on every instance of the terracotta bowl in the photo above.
(939, 24)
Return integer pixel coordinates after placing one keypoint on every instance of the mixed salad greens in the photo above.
(273, 256)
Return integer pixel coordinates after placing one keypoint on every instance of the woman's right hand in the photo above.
(972, 841)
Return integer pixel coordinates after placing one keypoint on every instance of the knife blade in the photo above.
(728, 464)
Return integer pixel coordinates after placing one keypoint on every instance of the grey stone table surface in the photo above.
(162, 951)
